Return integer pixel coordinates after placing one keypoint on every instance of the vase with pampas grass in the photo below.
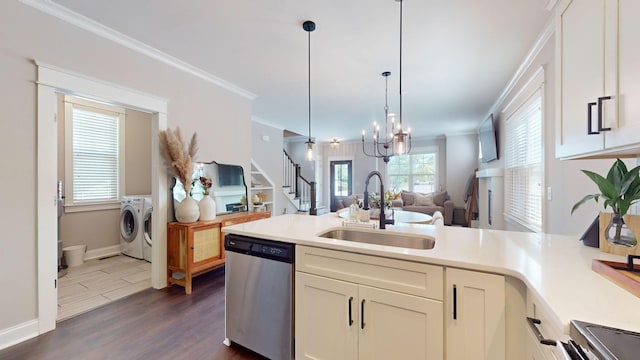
(179, 157)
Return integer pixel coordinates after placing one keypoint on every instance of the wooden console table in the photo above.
(196, 248)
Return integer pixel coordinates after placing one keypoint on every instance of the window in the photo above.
(414, 172)
(523, 163)
(94, 156)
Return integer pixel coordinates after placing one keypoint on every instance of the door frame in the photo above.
(51, 82)
(333, 159)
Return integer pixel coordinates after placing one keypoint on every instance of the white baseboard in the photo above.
(18, 333)
(102, 252)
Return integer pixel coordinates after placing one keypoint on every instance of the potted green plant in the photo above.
(619, 190)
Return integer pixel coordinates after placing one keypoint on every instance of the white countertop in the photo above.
(554, 267)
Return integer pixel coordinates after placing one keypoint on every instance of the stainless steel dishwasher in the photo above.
(259, 295)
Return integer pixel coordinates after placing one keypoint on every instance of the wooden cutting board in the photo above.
(626, 279)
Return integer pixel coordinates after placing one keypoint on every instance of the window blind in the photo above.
(95, 156)
(523, 164)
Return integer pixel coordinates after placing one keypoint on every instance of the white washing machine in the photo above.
(131, 225)
(147, 234)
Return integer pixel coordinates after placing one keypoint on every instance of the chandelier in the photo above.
(397, 141)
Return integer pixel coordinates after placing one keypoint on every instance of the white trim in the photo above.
(94, 27)
(327, 177)
(72, 208)
(461, 133)
(550, 5)
(69, 82)
(547, 33)
(71, 103)
(490, 172)
(47, 209)
(18, 333)
(526, 91)
(102, 252)
(50, 82)
(262, 121)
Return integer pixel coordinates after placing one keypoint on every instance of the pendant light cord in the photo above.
(309, 82)
(401, 129)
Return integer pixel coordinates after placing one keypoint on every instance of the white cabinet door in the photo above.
(627, 130)
(475, 315)
(324, 329)
(580, 45)
(399, 326)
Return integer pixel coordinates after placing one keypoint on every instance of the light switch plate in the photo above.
(549, 193)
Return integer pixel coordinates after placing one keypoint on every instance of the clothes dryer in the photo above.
(147, 231)
(131, 223)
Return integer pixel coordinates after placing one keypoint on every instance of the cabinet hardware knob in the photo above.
(600, 100)
(532, 324)
(589, 117)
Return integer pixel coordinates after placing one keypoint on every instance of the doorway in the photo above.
(340, 180)
(52, 81)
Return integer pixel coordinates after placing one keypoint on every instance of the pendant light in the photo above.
(309, 26)
(399, 141)
(382, 145)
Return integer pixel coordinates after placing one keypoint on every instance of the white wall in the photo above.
(461, 161)
(27, 34)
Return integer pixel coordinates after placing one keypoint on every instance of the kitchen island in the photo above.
(555, 269)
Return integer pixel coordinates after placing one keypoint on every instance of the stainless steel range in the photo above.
(592, 341)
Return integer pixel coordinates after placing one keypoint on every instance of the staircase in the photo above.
(300, 191)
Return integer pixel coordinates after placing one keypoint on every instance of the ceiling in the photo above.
(458, 55)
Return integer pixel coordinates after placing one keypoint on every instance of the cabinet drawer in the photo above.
(398, 275)
(550, 327)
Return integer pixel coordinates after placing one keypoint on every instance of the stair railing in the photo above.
(304, 189)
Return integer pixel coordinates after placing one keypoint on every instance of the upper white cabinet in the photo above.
(475, 315)
(598, 97)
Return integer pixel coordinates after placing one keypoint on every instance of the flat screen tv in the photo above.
(230, 175)
(487, 136)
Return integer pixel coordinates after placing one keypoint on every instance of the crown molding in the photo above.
(265, 122)
(461, 133)
(550, 5)
(94, 27)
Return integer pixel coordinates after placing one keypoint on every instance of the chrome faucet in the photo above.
(383, 221)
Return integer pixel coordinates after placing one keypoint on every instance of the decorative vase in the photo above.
(618, 233)
(187, 210)
(207, 208)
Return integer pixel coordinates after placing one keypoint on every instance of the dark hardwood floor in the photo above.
(152, 324)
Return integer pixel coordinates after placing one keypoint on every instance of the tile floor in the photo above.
(100, 281)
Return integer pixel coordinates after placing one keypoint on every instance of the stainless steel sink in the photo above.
(387, 238)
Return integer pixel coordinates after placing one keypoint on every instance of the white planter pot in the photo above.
(207, 208)
(187, 211)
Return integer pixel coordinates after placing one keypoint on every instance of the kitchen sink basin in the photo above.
(387, 238)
